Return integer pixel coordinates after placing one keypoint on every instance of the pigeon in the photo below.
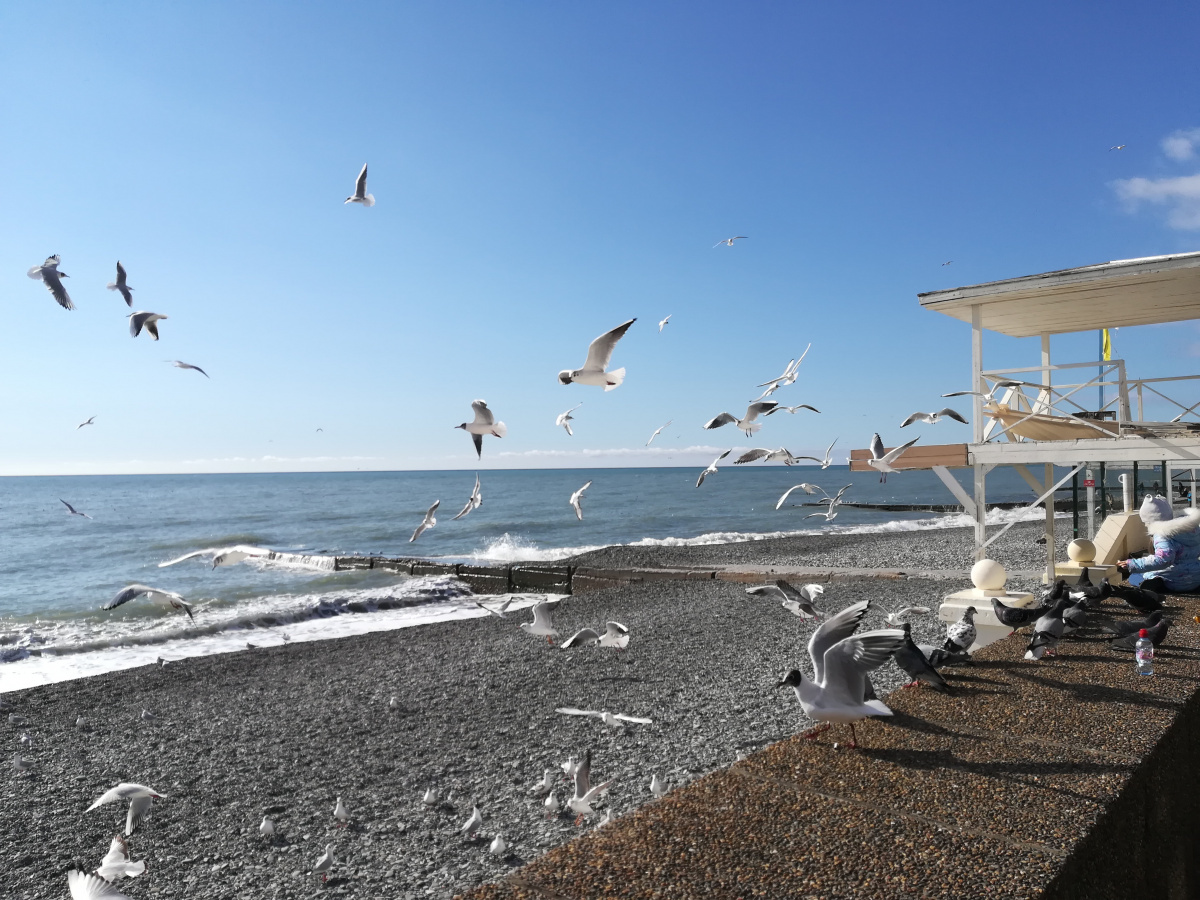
(472, 824)
(585, 794)
(882, 461)
(897, 617)
(91, 421)
(120, 285)
(657, 432)
(1074, 617)
(1047, 630)
(1139, 598)
(960, 635)
(428, 522)
(615, 635)
(180, 364)
(1157, 634)
(600, 351)
(747, 423)
(48, 274)
(915, 665)
(72, 510)
(575, 501)
(712, 467)
(146, 320)
(932, 418)
(541, 625)
(85, 886)
(154, 595)
(657, 787)
(325, 863)
(728, 242)
(1130, 626)
(117, 863)
(612, 720)
(1018, 616)
(473, 502)
(267, 828)
(564, 419)
(663, 324)
(483, 423)
(797, 602)
(360, 194)
(341, 813)
(497, 846)
(545, 786)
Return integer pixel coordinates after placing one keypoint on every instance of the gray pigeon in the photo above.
(913, 663)
(1017, 616)
(1156, 633)
(1130, 626)
(1047, 630)
(960, 635)
(1074, 617)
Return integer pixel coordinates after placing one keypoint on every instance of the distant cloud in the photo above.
(1180, 195)
(226, 460)
(1181, 146)
(615, 452)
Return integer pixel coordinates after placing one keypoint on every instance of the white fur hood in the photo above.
(1189, 521)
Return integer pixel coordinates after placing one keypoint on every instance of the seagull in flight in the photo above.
(360, 190)
(155, 595)
(947, 262)
(897, 617)
(581, 802)
(483, 423)
(747, 423)
(657, 431)
(829, 515)
(600, 351)
(91, 421)
(615, 635)
(1118, 147)
(612, 720)
(797, 602)
(140, 799)
(473, 502)
(770, 456)
(792, 410)
(728, 242)
(712, 467)
(932, 418)
(86, 886)
(881, 461)
(663, 324)
(803, 486)
(828, 460)
(117, 863)
(989, 395)
(222, 556)
(428, 522)
(120, 285)
(48, 274)
(499, 611)
(180, 364)
(575, 500)
(147, 320)
(72, 510)
(564, 419)
(541, 625)
(788, 377)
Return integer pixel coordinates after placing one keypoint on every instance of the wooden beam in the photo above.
(951, 456)
(956, 489)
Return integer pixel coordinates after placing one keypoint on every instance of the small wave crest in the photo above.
(510, 548)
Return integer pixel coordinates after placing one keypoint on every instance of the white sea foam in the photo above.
(513, 548)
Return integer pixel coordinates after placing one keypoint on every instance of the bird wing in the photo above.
(597, 791)
(66, 504)
(896, 453)
(483, 415)
(829, 449)
(583, 776)
(53, 281)
(541, 613)
(964, 394)
(836, 628)
(615, 629)
(876, 446)
(120, 792)
(600, 351)
(583, 634)
(751, 456)
(757, 409)
(139, 809)
(915, 417)
(952, 414)
(767, 590)
(788, 493)
(433, 509)
(786, 370)
(360, 183)
(85, 886)
(572, 711)
(211, 551)
(849, 660)
(813, 591)
(121, 276)
(466, 509)
(124, 596)
(717, 421)
(640, 721)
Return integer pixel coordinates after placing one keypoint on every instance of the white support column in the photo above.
(1049, 472)
(977, 427)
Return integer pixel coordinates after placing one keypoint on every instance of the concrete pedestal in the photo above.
(987, 627)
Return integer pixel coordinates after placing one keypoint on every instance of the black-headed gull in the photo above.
(473, 502)
(600, 351)
(341, 813)
(541, 625)
(546, 785)
(797, 602)
(657, 432)
(222, 556)
(499, 611)
(360, 194)
(140, 800)
(663, 324)
(898, 616)
(428, 522)
(615, 635)
(483, 423)
(612, 720)
(789, 375)
(803, 486)
(747, 423)
(180, 364)
(783, 454)
(712, 468)
(472, 824)
(91, 421)
(728, 242)
(120, 285)
(86, 886)
(117, 863)
(880, 460)
(986, 395)
(48, 274)
(585, 794)
(147, 320)
(154, 595)
(324, 864)
(841, 660)
(576, 499)
(72, 510)
(564, 420)
(932, 418)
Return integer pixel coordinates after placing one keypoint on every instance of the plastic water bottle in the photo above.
(1143, 651)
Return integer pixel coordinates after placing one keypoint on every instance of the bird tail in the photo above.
(499, 429)
(615, 378)
(753, 428)
(368, 200)
(35, 273)
(112, 285)
(878, 708)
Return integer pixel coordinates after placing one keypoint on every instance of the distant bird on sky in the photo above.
(600, 351)
(712, 467)
(746, 423)
(663, 324)
(1118, 147)
(657, 431)
(947, 262)
(147, 320)
(792, 410)
(473, 502)
(180, 364)
(575, 500)
(72, 510)
(90, 421)
(120, 285)
(483, 423)
(428, 522)
(932, 418)
(360, 190)
(881, 461)
(154, 595)
(564, 419)
(48, 274)
(728, 242)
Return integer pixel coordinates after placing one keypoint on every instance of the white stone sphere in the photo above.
(1081, 550)
(988, 575)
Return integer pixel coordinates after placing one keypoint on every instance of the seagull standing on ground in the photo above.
(154, 595)
(541, 625)
(545, 786)
(222, 556)
(880, 461)
(797, 602)
(91, 421)
(932, 418)
(657, 432)
(360, 194)
(746, 423)
(728, 242)
(575, 501)
(483, 423)
(472, 824)
(658, 787)
(564, 419)
(341, 813)
(712, 467)
(180, 364)
(428, 522)
(147, 320)
(600, 351)
(267, 828)
(120, 285)
(72, 510)
(48, 274)
(324, 864)
(473, 502)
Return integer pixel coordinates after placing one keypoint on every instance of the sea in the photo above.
(58, 569)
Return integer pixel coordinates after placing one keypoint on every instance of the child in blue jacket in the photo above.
(1175, 563)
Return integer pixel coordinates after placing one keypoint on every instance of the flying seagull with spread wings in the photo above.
(360, 194)
(154, 595)
(599, 353)
(222, 556)
(120, 285)
(483, 423)
(72, 510)
(747, 423)
(881, 461)
(932, 418)
(428, 522)
(657, 432)
(47, 273)
(728, 242)
(712, 467)
(474, 501)
(180, 364)
(147, 320)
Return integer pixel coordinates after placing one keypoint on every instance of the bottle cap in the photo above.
(1142, 633)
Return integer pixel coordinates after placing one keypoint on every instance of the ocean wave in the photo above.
(513, 548)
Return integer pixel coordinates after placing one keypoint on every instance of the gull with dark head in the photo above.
(564, 419)
(146, 320)
(223, 556)
(712, 468)
(881, 461)
(797, 602)
(180, 364)
(663, 324)
(575, 500)
(428, 522)
(657, 432)
(360, 194)
(140, 799)
(483, 423)
(599, 353)
(72, 510)
(48, 274)
(154, 595)
(932, 418)
(782, 454)
(747, 423)
(120, 285)
(612, 720)
(474, 501)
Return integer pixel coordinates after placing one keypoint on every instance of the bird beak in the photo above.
(780, 684)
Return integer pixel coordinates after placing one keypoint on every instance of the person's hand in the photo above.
(1123, 569)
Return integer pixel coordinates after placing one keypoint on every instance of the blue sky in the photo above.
(543, 172)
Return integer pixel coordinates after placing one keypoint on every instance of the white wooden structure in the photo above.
(1127, 292)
